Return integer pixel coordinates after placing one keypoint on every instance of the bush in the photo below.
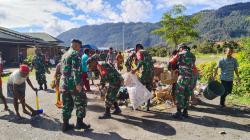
(158, 51)
(206, 47)
(232, 44)
(211, 47)
(28, 60)
(243, 89)
(206, 71)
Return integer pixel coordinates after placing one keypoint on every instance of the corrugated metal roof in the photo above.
(45, 37)
(8, 35)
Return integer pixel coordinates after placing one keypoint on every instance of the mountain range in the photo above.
(228, 22)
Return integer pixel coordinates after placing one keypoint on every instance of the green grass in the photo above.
(200, 58)
(239, 100)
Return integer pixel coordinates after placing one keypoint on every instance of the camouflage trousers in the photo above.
(110, 97)
(41, 78)
(183, 91)
(69, 100)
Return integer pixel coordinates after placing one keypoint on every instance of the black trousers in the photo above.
(228, 85)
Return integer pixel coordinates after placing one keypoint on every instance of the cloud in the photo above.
(209, 4)
(56, 16)
(57, 26)
(80, 17)
(87, 6)
(127, 10)
(103, 11)
(136, 10)
(28, 13)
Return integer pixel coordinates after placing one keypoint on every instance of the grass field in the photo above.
(239, 100)
(200, 58)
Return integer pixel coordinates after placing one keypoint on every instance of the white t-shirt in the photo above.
(16, 78)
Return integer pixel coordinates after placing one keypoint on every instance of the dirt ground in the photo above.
(207, 121)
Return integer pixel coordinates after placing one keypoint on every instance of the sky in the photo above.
(57, 16)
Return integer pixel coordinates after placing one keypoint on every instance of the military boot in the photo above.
(117, 109)
(45, 86)
(81, 125)
(106, 115)
(148, 105)
(66, 126)
(41, 87)
(185, 113)
(178, 114)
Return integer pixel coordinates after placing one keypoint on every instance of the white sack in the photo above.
(138, 93)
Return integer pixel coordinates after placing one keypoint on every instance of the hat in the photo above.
(24, 68)
(182, 45)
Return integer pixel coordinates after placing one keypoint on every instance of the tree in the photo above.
(176, 27)
(232, 44)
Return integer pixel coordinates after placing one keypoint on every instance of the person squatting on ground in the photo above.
(71, 87)
(185, 61)
(39, 64)
(144, 64)
(111, 76)
(84, 66)
(228, 66)
(16, 88)
(1, 89)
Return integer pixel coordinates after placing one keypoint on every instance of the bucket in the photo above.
(213, 90)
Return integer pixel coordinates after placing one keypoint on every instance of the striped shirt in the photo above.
(227, 65)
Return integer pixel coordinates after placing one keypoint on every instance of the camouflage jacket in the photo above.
(129, 62)
(186, 63)
(113, 77)
(146, 66)
(71, 71)
(38, 62)
(92, 62)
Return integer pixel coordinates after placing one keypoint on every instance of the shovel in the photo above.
(40, 111)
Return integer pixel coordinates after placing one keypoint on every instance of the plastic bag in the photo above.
(138, 93)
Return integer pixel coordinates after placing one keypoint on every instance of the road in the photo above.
(206, 121)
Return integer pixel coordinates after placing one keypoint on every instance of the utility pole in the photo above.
(123, 41)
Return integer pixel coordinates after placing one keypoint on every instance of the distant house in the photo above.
(12, 43)
(52, 48)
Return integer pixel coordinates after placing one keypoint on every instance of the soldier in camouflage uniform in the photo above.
(40, 66)
(185, 61)
(111, 76)
(71, 87)
(146, 65)
(92, 63)
(129, 61)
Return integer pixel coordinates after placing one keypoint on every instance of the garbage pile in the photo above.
(162, 94)
(163, 81)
